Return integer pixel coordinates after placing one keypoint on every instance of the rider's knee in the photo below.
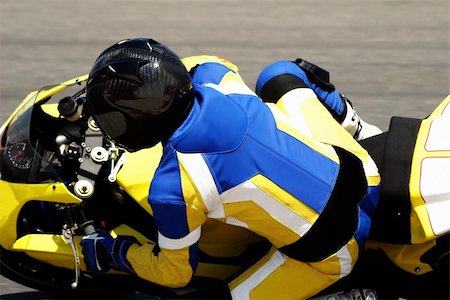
(278, 78)
(283, 76)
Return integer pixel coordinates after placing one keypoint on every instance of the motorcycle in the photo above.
(60, 178)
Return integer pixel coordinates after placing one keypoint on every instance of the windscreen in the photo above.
(30, 150)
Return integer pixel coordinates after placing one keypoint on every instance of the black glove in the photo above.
(102, 252)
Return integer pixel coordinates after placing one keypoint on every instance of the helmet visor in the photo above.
(112, 123)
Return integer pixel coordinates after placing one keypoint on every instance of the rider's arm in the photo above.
(179, 213)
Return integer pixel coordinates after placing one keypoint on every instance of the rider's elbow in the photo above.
(178, 281)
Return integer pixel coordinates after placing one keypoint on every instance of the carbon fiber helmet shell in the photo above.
(138, 92)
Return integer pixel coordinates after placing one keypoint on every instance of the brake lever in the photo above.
(68, 233)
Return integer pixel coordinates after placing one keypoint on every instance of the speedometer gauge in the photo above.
(19, 156)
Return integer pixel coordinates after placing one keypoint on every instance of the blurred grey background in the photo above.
(390, 57)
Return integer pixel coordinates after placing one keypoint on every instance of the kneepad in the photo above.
(279, 78)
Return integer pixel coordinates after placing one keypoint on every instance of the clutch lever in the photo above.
(68, 232)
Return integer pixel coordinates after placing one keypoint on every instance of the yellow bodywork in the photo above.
(15, 195)
(134, 177)
(423, 238)
(406, 257)
(54, 250)
(219, 239)
(137, 172)
(421, 228)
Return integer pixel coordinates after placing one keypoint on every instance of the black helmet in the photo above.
(138, 93)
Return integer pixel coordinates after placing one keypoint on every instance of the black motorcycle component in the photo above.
(19, 267)
(67, 107)
(393, 153)
(438, 257)
(36, 158)
(113, 206)
(41, 217)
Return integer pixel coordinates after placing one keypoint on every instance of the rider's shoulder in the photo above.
(192, 61)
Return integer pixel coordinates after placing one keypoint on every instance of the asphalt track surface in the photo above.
(389, 57)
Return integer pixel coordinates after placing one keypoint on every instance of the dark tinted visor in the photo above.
(112, 123)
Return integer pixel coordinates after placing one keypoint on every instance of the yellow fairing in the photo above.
(134, 177)
(54, 250)
(406, 257)
(421, 225)
(49, 248)
(42, 94)
(137, 173)
(58, 88)
(15, 195)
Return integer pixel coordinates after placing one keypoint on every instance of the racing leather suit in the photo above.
(286, 171)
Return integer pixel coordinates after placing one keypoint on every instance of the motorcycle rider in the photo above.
(286, 171)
